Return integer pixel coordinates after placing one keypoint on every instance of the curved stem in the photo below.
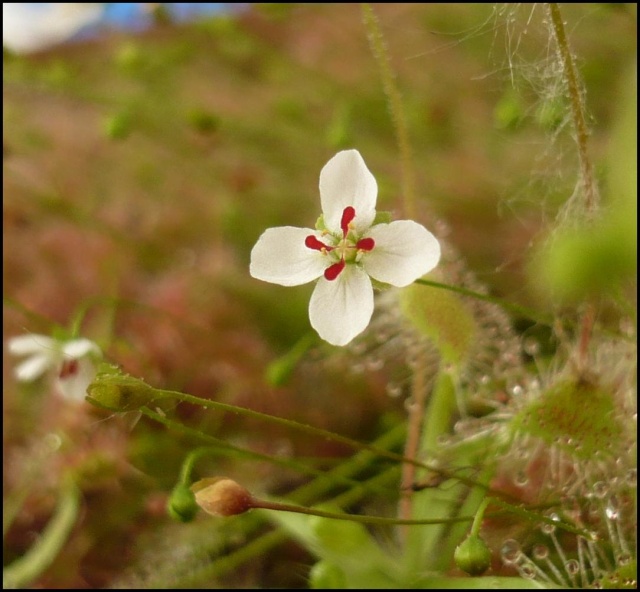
(477, 521)
(22, 572)
(207, 403)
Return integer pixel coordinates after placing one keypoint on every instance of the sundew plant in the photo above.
(324, 296)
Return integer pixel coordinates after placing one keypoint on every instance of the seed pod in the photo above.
(473, 556)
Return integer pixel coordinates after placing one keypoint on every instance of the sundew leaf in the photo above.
(442, 317)
(578, 416)
(345, 545)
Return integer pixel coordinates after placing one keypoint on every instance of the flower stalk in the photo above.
(577, 108)
(377, 45)
(587, 180)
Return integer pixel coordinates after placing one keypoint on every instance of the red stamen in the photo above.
(69, 368)
(313, 243)
(333, 271)
(348, 215)
(365, 244)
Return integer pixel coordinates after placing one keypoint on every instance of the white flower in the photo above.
(346, 250)
(72, 361)
(32, 26)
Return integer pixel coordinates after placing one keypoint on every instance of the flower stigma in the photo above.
(347, 250)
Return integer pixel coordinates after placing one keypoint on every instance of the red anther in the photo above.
(69, 368)
(313, 243)
(348, 215)
(333, 271)
(365, 244)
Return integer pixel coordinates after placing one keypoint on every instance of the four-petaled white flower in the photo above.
(345, 251)
(72, 361)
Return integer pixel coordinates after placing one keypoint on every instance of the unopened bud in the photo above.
(473, 556)
(114, 390)
(221, 496)
(182, 504)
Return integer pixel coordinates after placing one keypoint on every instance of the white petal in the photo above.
(346, 181)
(281, 257)
(404, 251)
(341, 309)
(34, 366)
(31, 343)
(74, 386)
(78, 348)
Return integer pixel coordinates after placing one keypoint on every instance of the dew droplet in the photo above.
(357, 368)
(516, 390)
(540, 552)
(548, 528)
(627, 326)
(531, 346)
(521, 479)
(443, 440)
(409, 405)
(359, 348)
(382, 335)
(394, 390)
(510, 551)
(52, 442)
(612, 510)
(572, 566)
(527, 571)
(624, 559)
(373, 364)
(631, 477)
(600, 489)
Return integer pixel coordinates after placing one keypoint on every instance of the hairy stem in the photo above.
(379, 51)
(589, 188)
(577, 109)
(412, 445)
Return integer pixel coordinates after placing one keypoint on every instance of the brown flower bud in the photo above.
(221, 496)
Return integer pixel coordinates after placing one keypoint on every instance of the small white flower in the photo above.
(72, 361)
(32, 26)
(345, 252)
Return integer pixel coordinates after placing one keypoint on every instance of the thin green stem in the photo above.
(225, 448)
(259, 504)
(523, 311)
(355, 444)
(194, 456)
(412, 445)
(432, 503)
(364, 519)
(264, 542)
(477, 521)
